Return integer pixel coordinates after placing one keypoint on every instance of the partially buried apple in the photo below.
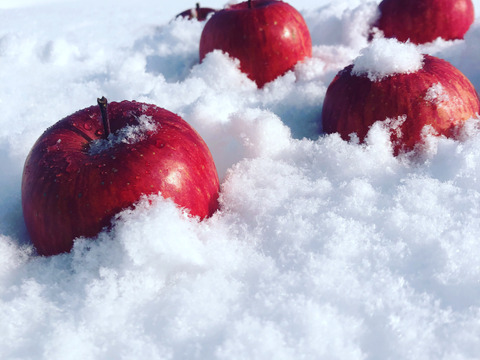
(393, 82)
(198, 13)
(92, 164)
(268, 37)
(423, 21)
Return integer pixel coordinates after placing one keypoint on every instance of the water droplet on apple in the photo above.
(87, 126)
(99, 133)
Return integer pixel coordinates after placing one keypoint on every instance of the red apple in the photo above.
(268, 37)
(423, 21)
(197, 13)
(438, 95)
(96, 162)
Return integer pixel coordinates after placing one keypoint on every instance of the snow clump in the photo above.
(387, 57)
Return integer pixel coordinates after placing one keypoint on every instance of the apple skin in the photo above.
(68, 191)
(197, 13)
(353, 103)
(423, 21)
(269, 38)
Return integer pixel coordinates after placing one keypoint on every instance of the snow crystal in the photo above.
(387, 57)
(436, 94)
(129, 134)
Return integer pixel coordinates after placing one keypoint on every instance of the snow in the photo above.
(387, 57)
(323, 249)
(130, 134)
(436, 94)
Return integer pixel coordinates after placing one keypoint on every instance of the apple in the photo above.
(438, 95)
(268, 37)
(423, 21)
(198, 13)
(92, 164)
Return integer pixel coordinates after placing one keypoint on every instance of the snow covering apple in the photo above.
(102, 159)
(394, 82)
(423, 21)
(197, 13)
(268, 37)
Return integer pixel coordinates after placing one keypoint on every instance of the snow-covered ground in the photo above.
(323, 249)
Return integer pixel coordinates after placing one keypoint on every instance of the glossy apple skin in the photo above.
(268, 39)
(353, 103)
(423, 21)
(69, 192)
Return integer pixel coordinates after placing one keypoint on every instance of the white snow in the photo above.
(387, 57)
(436, 95)
(130, 134)
(322, 249)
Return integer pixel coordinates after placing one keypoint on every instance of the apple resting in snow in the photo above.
(423, 21)
(198, 13)
(438, 95)
(100, 160)
(268, 37)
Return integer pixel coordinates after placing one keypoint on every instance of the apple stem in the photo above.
(249, 4)
(102, 103)
(197, 5)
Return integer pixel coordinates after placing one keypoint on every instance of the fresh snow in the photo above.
(322, 249)
(130, 134)
(387, 57)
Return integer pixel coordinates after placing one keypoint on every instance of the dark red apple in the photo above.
(423, 21)
(268, 37)
(197, 13)
(438, 95)
(96, 162)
